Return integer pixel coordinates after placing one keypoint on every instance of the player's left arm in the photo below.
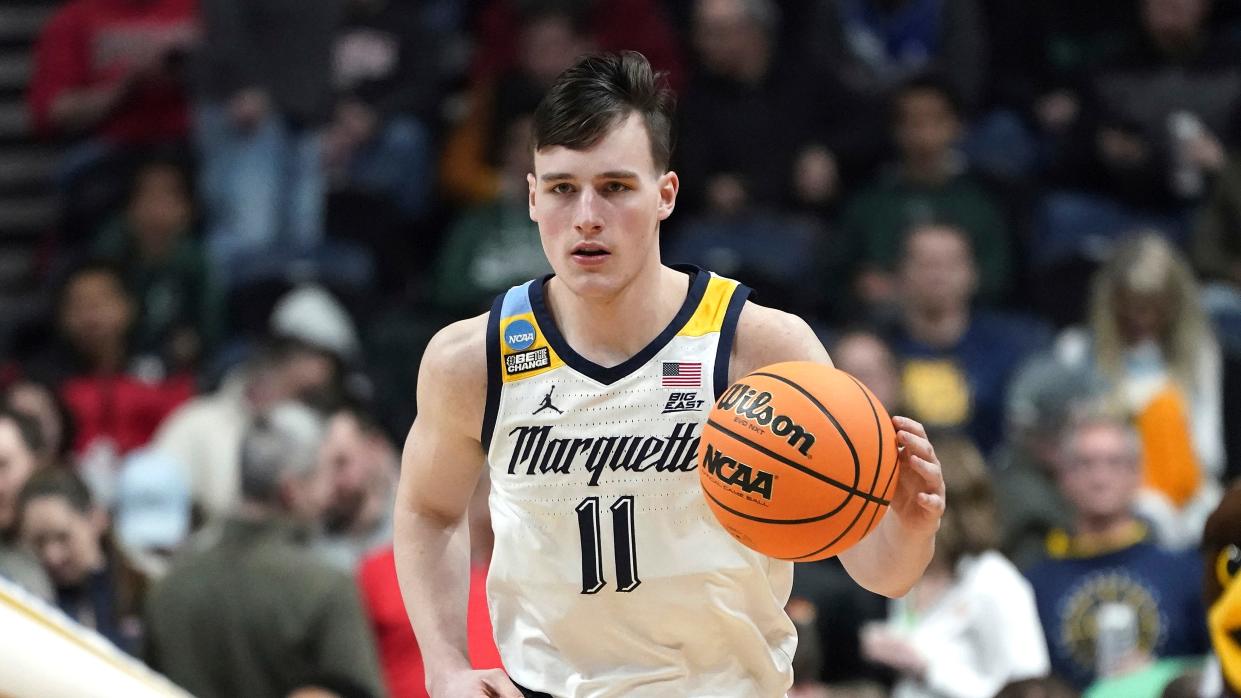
(891, 558)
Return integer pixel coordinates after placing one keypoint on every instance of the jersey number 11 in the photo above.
(592, 550)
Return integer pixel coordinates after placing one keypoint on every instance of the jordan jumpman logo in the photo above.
(547, 403)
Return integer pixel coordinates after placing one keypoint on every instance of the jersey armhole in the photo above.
(728, 331)
(494, 380)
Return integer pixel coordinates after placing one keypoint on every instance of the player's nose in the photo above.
(587, 218)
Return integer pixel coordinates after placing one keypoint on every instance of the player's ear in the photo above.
(530, 182)
(669, 185)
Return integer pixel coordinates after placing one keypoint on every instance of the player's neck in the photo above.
(607, 331)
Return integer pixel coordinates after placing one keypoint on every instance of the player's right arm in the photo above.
(440, 467)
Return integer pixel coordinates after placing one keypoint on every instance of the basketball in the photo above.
(798, 461)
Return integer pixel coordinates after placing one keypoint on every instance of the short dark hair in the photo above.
(57, 482)
(934, 83)
(89, 266)
(596, 94)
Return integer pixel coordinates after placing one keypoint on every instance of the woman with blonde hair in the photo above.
(1148, 337)
(970, 626)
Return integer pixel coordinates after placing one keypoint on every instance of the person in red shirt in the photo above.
(114, 69)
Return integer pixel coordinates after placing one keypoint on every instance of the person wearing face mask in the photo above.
(69, 533)
(1149, 340)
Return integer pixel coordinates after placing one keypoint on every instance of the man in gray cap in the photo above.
(1041, 399)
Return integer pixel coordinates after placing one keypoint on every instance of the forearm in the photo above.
(891, 559)
(432, 566)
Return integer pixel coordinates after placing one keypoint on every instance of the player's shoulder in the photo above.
(767, 335)
(455, 360)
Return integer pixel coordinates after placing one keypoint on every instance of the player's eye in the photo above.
(1227, 564)
(562, 188)
(615, 187)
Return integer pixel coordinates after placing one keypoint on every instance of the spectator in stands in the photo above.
(266, 613)
(362, 467)
(1106, 563)
(969, 626)
(153, 244)
(930, 182)
(729, 147)
(385, 68)
(1041, 398)
(611, 25)
(19, 445)
(550, 37)
(1216, 254)
(1148, 337)
(204, 435)
(265, 96)
(95, 584)
(873, 46)
(153, 513)
(494, 244)
(865, 356)
(111, 76)
(40, 402)
(114, 70)
(1157, 122)
(956, 362)
(117, 397)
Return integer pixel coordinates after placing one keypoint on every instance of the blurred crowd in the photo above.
(1017, 222)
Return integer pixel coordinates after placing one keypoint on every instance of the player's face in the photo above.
(599, 209)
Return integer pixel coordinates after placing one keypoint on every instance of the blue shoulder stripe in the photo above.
(516, 301)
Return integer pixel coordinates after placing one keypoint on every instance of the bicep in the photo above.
(767, 336)
(443, 455)
(440, 467)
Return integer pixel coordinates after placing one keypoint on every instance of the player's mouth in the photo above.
(589, 254)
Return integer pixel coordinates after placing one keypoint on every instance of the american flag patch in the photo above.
(682, 374)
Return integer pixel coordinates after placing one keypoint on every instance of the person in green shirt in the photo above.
(930, 183)
(151, 240)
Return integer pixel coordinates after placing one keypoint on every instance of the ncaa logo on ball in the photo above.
(519, 335)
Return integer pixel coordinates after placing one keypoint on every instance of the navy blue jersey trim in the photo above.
(538, 302)
(494, 380)
(728, 332)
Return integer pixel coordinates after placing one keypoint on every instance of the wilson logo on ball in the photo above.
(730, 472)
(752, 404)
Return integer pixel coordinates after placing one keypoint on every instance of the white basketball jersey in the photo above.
(610, 576)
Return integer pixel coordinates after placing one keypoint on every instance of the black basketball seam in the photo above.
(826, 413)
(779, 522)
(865, 500)
(792, 464)
(879, 461)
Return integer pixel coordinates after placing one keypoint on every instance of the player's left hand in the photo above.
(919, 500)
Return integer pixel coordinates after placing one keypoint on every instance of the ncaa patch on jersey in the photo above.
(519, 335)
(524, 361)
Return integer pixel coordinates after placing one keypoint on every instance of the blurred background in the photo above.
(229, 227)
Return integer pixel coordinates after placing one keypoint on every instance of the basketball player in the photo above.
(610, 576)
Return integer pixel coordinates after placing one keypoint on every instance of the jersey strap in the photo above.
(516, 349)
(718, 312)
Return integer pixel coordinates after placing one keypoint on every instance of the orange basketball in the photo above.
(798, 461)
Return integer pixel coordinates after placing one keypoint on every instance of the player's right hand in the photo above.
(489, 683)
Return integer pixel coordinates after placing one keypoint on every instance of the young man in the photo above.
(684, 610)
